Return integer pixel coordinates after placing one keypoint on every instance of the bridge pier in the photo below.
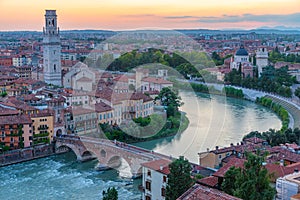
(101, 167)
(85, 158)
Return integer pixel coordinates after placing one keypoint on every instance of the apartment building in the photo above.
(42, 126)
(155, 179)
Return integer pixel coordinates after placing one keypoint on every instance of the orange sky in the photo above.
(139, 14)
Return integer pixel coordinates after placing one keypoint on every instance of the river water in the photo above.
(214, 120)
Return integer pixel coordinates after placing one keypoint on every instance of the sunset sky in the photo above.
(156, 14)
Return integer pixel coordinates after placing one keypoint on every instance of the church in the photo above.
(240, 61)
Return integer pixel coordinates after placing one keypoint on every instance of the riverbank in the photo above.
(161, 128)
(249, 94)
(27, 154)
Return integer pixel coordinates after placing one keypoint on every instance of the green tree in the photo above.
(179, 179)
(110, 194)
(168, 97)
(230, 177)
(250, 183)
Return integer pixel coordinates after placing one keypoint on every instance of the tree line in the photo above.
(271, 80)
(278, 109)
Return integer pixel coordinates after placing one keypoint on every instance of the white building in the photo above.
(261, 59)
(241, 56)
(80, 77)
(155, 179)
(51, 50)
(241, 61)
(21, 60)
(287, 186)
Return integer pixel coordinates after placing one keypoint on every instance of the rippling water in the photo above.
(61, 177)
(214, 120)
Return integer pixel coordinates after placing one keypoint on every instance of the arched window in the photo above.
(54, 67)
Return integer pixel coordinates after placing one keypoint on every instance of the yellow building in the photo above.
(42, 126)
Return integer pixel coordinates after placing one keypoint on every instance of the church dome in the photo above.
(241, 52)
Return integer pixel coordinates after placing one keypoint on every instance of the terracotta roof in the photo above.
(20, 105)
(15, 119)
(201, 192)
(156, 80)
(42, 113)
(102, 107)
(81, 110)
(8, 111)
(234, 162)
(161, 166)
(210, 181)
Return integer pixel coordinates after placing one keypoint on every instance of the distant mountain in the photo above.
(282, 28)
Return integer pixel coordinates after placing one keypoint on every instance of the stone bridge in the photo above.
(109, 153)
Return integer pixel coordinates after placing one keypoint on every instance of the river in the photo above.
(214, 120)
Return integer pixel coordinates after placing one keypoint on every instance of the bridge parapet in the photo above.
(108, 152)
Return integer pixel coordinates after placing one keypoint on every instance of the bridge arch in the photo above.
(64, 147)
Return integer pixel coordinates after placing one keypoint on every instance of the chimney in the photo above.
(207, 149)
(161, 167)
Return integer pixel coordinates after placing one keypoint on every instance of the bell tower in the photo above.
(51, 50)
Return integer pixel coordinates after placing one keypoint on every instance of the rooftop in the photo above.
(202, 192)
(161, 166)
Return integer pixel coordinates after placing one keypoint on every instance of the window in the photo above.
(164, 179)
(148, 173)
(163, 192)
(148, 185)
(54, 67)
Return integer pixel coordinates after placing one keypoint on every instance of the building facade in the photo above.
(155, 179)
(261, 59)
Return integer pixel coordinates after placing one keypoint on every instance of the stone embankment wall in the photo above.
(22, 155)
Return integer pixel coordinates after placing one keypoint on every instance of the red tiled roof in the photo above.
(15, 119)
(210, 181)
(81, 111)
(158, 165)
(201, 192)
(102, 107)
(234, 162)
(276, 170)
(8, 111)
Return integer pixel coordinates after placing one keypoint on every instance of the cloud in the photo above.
(279, 19)
(247, 17)
(181, 17)
(140, 15)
